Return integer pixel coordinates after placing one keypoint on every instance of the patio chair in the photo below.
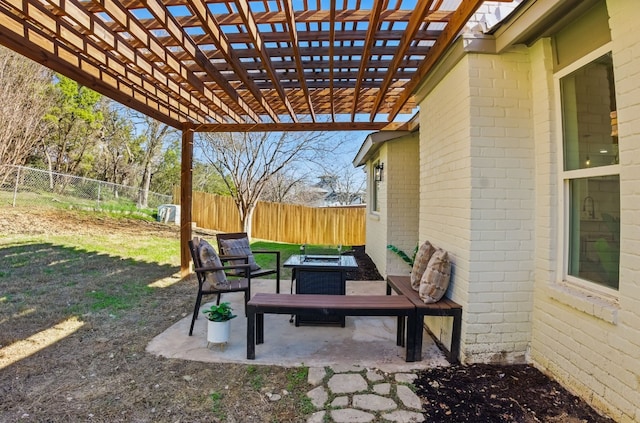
(235, 246)
(212, 279)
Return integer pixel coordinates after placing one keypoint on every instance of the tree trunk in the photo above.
(247, 221)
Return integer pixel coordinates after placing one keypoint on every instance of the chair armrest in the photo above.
(227, 258)
(215, 268)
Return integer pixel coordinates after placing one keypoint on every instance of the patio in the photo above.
(368, 342)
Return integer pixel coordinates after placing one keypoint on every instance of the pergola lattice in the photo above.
(237, 65)
(242, 65)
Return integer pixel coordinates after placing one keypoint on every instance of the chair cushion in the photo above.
(420, 263)
(435, 280)
(209, 258)
(239, 247)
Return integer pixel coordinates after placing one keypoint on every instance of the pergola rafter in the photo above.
(243, 65)
(255, 64)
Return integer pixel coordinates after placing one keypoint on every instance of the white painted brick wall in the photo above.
(397, 221)
(376, 226)
(403, 207)
(574, 338)
(477, 196)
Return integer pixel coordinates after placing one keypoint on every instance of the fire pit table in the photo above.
(320, 274)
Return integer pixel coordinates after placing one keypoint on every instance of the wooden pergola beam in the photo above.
(459, 18)
(374, 23)
(418, 18)
(116, 55)
(21, 36)
(258, 44)
(294, 39)
(218, 37)
(299, 126)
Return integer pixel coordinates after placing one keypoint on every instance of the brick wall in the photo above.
(403, 173)
(477, 199)
(377, 220)
(590, 342)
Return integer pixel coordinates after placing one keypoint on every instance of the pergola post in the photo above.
(186, 186)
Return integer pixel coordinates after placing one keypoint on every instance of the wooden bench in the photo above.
(444, 307)
(323, 305)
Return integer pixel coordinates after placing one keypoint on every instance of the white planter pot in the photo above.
(218, 332)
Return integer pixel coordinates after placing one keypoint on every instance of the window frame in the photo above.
(565, 176)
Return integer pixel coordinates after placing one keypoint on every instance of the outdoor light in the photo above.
(377, 172)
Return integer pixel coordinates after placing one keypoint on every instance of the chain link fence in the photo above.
(26, 186)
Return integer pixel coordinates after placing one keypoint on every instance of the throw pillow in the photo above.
(420, 263)
(209, 258)
(239, 247)
(435, 280)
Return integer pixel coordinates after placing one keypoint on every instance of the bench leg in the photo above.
(454, 353)
(400, 336)
(251, 333)
(419, 330)
(259, 328)
(411, 338)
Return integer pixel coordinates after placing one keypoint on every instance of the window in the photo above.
(591, 175)
(375, 203)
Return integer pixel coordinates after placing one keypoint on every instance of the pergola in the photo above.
(242, 65)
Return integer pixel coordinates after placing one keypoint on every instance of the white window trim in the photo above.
(564, 177)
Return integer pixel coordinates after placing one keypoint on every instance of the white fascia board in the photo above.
(372, 144)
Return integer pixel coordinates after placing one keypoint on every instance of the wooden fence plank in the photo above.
(289, 223)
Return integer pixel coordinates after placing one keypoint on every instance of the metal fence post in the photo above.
(15, 189)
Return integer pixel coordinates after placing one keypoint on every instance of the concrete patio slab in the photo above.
(365, 341)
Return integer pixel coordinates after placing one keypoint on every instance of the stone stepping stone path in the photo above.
(352, 394)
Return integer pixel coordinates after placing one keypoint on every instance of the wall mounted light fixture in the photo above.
(377, 172)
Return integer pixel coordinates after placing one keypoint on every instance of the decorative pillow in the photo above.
(239, 247)
(209, 258)
(420, 263)
(435, 280)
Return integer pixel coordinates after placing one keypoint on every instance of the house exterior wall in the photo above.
(396, 222)
(491, 194)
(445, 185)
(402, 206)
(376, 226)
(590, 342)
(477, 200)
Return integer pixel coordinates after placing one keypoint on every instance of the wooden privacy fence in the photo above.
(289, 223)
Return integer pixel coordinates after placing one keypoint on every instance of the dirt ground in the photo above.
(101, 372)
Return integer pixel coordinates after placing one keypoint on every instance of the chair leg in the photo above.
(218, 300)
(196, 308)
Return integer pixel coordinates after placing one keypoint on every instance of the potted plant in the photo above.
(219, 325)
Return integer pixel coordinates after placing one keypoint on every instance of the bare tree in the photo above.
(284, 187)
(155, 135)
(248, 161)
(23, 89)
(115, 158)
(345, 183)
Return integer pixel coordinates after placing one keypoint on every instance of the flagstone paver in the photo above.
(347, 383)
(340, 402)
(354, 394)
(408, 398)
(373, 402)
(382, 388)
(318, 396)
(349, 415)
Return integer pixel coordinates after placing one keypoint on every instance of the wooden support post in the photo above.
(186, 186)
